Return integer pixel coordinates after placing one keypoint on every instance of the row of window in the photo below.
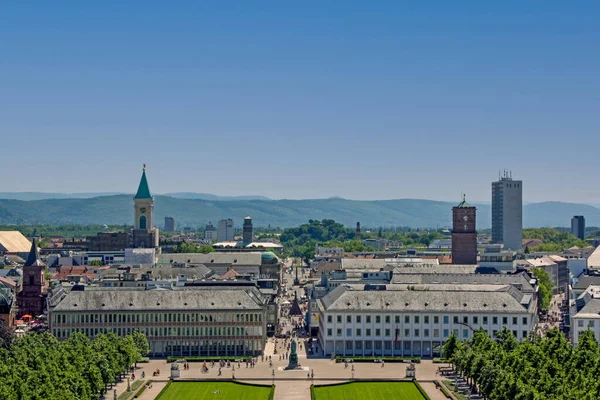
(166, 331)
(416, 333)
(426, 319)
(590, 324)
(95, 318)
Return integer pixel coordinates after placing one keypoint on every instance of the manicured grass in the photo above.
(369, 391)
(204, 390)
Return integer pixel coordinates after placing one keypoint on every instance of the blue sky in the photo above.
(364, 100)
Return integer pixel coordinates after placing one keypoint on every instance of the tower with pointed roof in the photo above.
(32, 297)
(145, 235)
(464, 233)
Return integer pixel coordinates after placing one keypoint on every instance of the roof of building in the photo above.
(521, 280)
(14, 242)
(34, 260)
(231, 274)
(584, 281)
(594, 259)
(436, 269)
(229, 258)
(166, 271)
(143, 191)
(541, 262)
(266, 245)
(557, 258)
(389, 263)
(9, 283)
(210, 299)
(590, 311)
(463, 203)
(445, 298)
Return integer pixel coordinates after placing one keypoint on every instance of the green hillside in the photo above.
(118, 209)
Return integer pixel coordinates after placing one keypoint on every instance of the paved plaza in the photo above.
(289, 385)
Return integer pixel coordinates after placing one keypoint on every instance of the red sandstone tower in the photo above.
(464, 234)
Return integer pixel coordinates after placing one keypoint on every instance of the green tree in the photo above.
(141, 343)
(96, 263)
(546, 286)
(185, 247)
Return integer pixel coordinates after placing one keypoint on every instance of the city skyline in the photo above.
(374, 101)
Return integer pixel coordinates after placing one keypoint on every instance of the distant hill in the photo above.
(117, 209)
(213, 197)
(28, 196)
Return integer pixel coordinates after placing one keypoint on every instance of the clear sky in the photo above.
(308, 99)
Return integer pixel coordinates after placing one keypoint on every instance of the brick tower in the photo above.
(464, 234)
(32, 298)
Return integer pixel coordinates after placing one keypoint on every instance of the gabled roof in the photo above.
(143, 191)
(34, 260)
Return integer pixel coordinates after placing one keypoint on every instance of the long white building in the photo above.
(188, 322)
(415, 320)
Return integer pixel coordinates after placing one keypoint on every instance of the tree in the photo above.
(141, 343)
(96, 263)
(6, 335)
(185, 247)
(546, 287)
(450, 346)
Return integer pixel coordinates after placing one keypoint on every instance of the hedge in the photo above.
(423, 393)
(440, 361)
(271, 395)
(209, 358)
(416, 360)
(443, 389)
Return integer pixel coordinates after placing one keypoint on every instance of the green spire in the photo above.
(463, 203)
(143, 191)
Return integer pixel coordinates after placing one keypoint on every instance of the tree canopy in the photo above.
(38, 366)
(537, 368)
(185, 247)
(546, 286)
(553, 239)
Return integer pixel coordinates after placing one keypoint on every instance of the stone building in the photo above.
(203, 321)
(416, 320)
(32, 297)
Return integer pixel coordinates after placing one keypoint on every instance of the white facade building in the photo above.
(507, 212)
(225, 231)
(401, 320)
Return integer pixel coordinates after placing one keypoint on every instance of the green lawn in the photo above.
(206, 390)
(370, 391)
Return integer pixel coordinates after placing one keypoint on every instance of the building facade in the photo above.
(393, 320)
(225, 232)
(464, 234)
(186, 322)
(248, 231)
(507, 212)
(31, 300)
(145, 235)
(210, 233)
(169, 224)
(578, 226)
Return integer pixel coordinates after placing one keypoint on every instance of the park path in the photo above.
(432, 391)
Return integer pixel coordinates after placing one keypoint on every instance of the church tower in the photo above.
(32, 298)
(145, 235)
(464, 234)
